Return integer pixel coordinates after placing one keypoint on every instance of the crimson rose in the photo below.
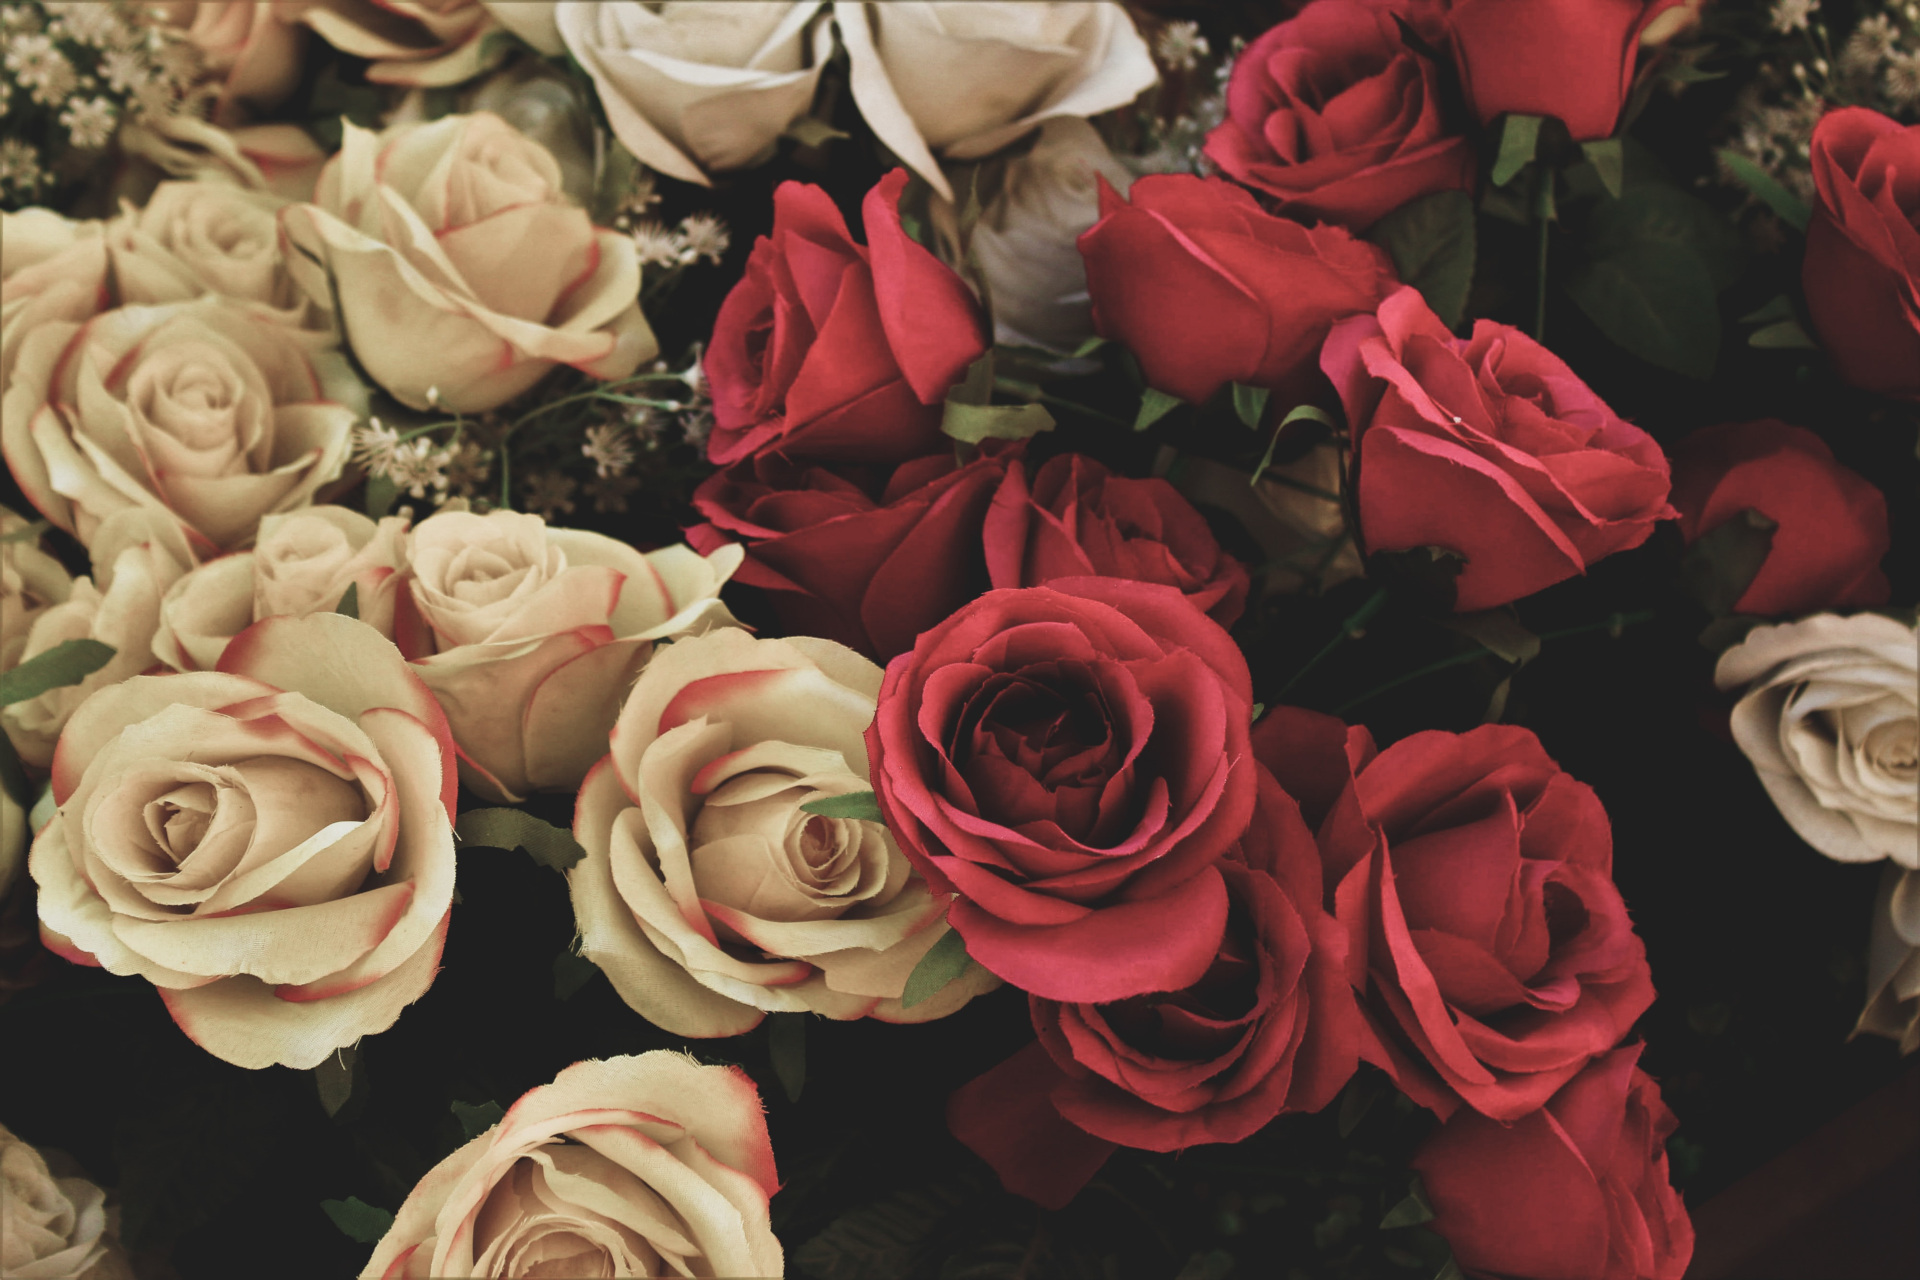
(1862, 269)
(1491, 447)
(1073, 760)
(1206, 288)
(1578, 1190)
(1079, 519)
(1335, 116)
(1475, 882)
(835, 351)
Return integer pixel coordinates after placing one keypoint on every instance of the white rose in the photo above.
(697, 88)
(51, 270)
(431, 43)
(1893, 962)
(53, 1228)
(251, 46)
(962, 80)
(30, 581)
(1831, 722)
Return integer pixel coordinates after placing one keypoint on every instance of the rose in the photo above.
(53, 1226)
(279, 158)
(426, 43)
(1490, 447)
(1333, 115)
(457, 263)
(30, 582)
(1862, 267)
(1832, 524)
(636, 1166)
(1078, 519)
(270, 844)
(1567, 58)
(708, 895)
(1073, 760)
(136, 557)
(700, 88)
(868, 566)
(1474, 879)
(962, 80)
(31, 292)
(1206, 288)
(834, 351)
(1270, 1027)
(304, 563)
(1893, 962)
(1577, 1190)
(530, 635)
(1828, 718)
(253, 47)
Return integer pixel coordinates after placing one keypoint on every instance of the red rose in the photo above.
(1269, 1027)
(1079, 519)
(1576, 1191)
(830, 350)
(1862, 269)
(1833, 524)
(1073, 760)
(1567, 58)
(1491, 447)
(870, 569)
(1475, 882)
(1207, 288)
(1332, 113)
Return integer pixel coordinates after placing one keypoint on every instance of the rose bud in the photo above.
(55, 1226)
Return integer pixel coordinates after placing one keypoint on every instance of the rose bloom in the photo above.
(530, 635)
(1829, 717)
(1072, 760)
(1206, 288)
(460, 271)
(1270, 1027)
(648, 1165)
(867, 562)
(1333, 115)
(303, 563)
(32, 293)
(424, 43)
(136, 557)
(53, 1227)
(1862, 267)
(254, 48)
(1578, 1190)
(834, 351)
(1491, 447)
(1832, 522)
(708, 895)
(1893, 962)
(1077, 519)
(270, 844)
(1475, 881)
(196, 411)
(1567, 58)
(962, 80)
(30, 582)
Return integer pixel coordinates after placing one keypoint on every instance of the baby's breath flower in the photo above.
(1902, 80)
(88, 122)
(549, 493)
(468, 466)
(1792, 15)
(610, 448)
(124, 70)
(20, 166)
(92, 24)
(419, 465)
(702, 235)
(40, 67)
(374, 444)
(15, 18)
(695, 427)
(657, 245)
(1180, 46)
(610, 493)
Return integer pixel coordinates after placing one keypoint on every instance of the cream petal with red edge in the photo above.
(202, 611)
(294, 945)
(725, 1210)
(570, 713)
(102, 717)
(417, 1222)
(578, 596)
(69, 906)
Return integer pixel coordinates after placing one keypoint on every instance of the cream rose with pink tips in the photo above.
(269, 844)
(708, 895)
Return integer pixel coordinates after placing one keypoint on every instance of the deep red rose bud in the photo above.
(1578, 1190)
(1491, 447)
(1336, 117)
(830, 350)
(1862, 269)
(1205, 287)
(1832, 523)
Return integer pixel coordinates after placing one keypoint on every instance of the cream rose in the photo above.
(429, 43)
(529, 636)
(253, 47)
(30, 582)
(52, 1227)
(303, 563)
(136, 557)
(47, 275)
(197, 410)
(961, 80)
(695, 88)
(280, 158)
(651, 1165)
(708, 895)
(270, 844)
(1830, 720)
(1893, 962)
(457, 264)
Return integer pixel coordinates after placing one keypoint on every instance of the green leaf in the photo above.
(1657, 212)
(945, 961)
(1410, 1212)
(1249, 403)
(1722, 562)
(1519, 138)
(381, 494)
(546, 844)
(1766, 188)
(1500, 632)
(1088, 347)
(973, 423)
(350, 601)
(1786, 335)
(1609, 161)
(334, 1078)
(863, 805)
(1450, 1270)
(1655, 299)
(810, 132)
(1433, 247)
(1299, 413)
(1779, 307)
(67, 663)
(475, 1121)
(787, 1046)
(360, 1221)
(1356, 1100)
(570, 973)
(883, 1240)
(1154, 405)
